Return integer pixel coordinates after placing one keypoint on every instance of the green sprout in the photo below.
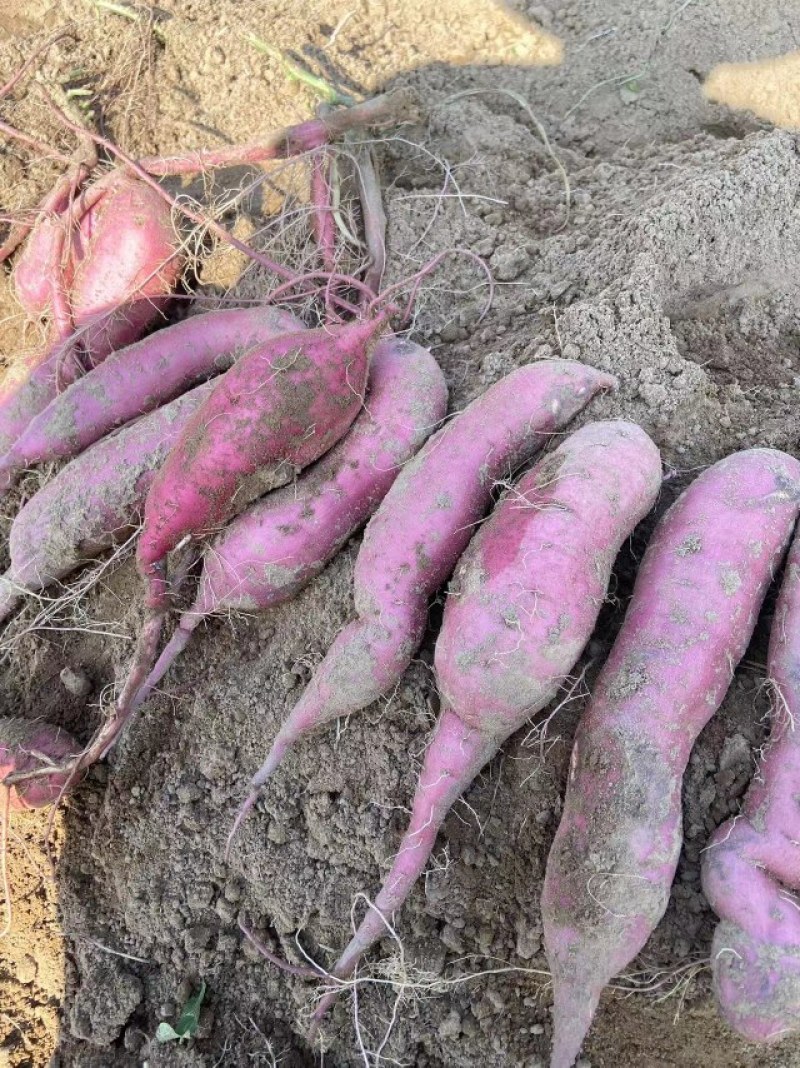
(324, 90)
(188, 1021)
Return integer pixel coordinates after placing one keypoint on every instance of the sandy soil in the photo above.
(673, 263)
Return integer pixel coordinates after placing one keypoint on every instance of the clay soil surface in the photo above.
(673, 262)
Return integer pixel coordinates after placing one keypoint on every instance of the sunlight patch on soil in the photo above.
(32, 954)
(770, 88)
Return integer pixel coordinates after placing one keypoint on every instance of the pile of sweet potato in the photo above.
(179, 432)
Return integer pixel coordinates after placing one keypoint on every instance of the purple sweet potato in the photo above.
(694, 607)
(282, 405)
(285, 402)
(522, 606)
(415, 538)
(274, 548)
(28, 747)
(751, 867)
(138, 378)
(92, 503)
(104, 282)
(121, 260)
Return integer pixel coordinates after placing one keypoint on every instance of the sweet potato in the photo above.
(522, 606)
(138, 378)
(285, 402)
(415, 538)
(694, 607)
(92, 503)
(28, 747)
(274, 548)
(121, 261)
(104, 283)
(751, 867)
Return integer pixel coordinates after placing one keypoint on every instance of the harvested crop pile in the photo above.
(675, 271)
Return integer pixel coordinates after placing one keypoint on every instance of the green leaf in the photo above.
(166, 1033)
(188, 1022)
(189, 1019)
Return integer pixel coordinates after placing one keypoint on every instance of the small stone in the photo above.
(450, 1027)
(233, 890)
(197, 938)
(277, 833)
(200, 896)
(195, 818)
(451, 938)
(187, 793)
(508, 264)
(735, 752)
(496, 1000)
(536, 1029)
(226, 910)
(529, 941)
(469, 856)
(76, 681)
(226, 944)
(27, 970)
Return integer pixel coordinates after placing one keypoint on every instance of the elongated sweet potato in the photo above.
(285, 402)
(694, 607)
(751, 867)
(92, 503)
(282, 405)
(415, 538)
(522, 606)
(274, 548)
(138, 378)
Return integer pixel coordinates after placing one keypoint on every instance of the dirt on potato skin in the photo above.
(675, 270)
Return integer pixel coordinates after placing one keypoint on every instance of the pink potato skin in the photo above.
(751, 867)
(693, 610)
(274, 548)
(286, 402)
(36, 264)
(127, 266)
(522, 605)
(423, 525)
(20, 742)
(136, 379)
(123, 249)
(93, 502)
(122, 266)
